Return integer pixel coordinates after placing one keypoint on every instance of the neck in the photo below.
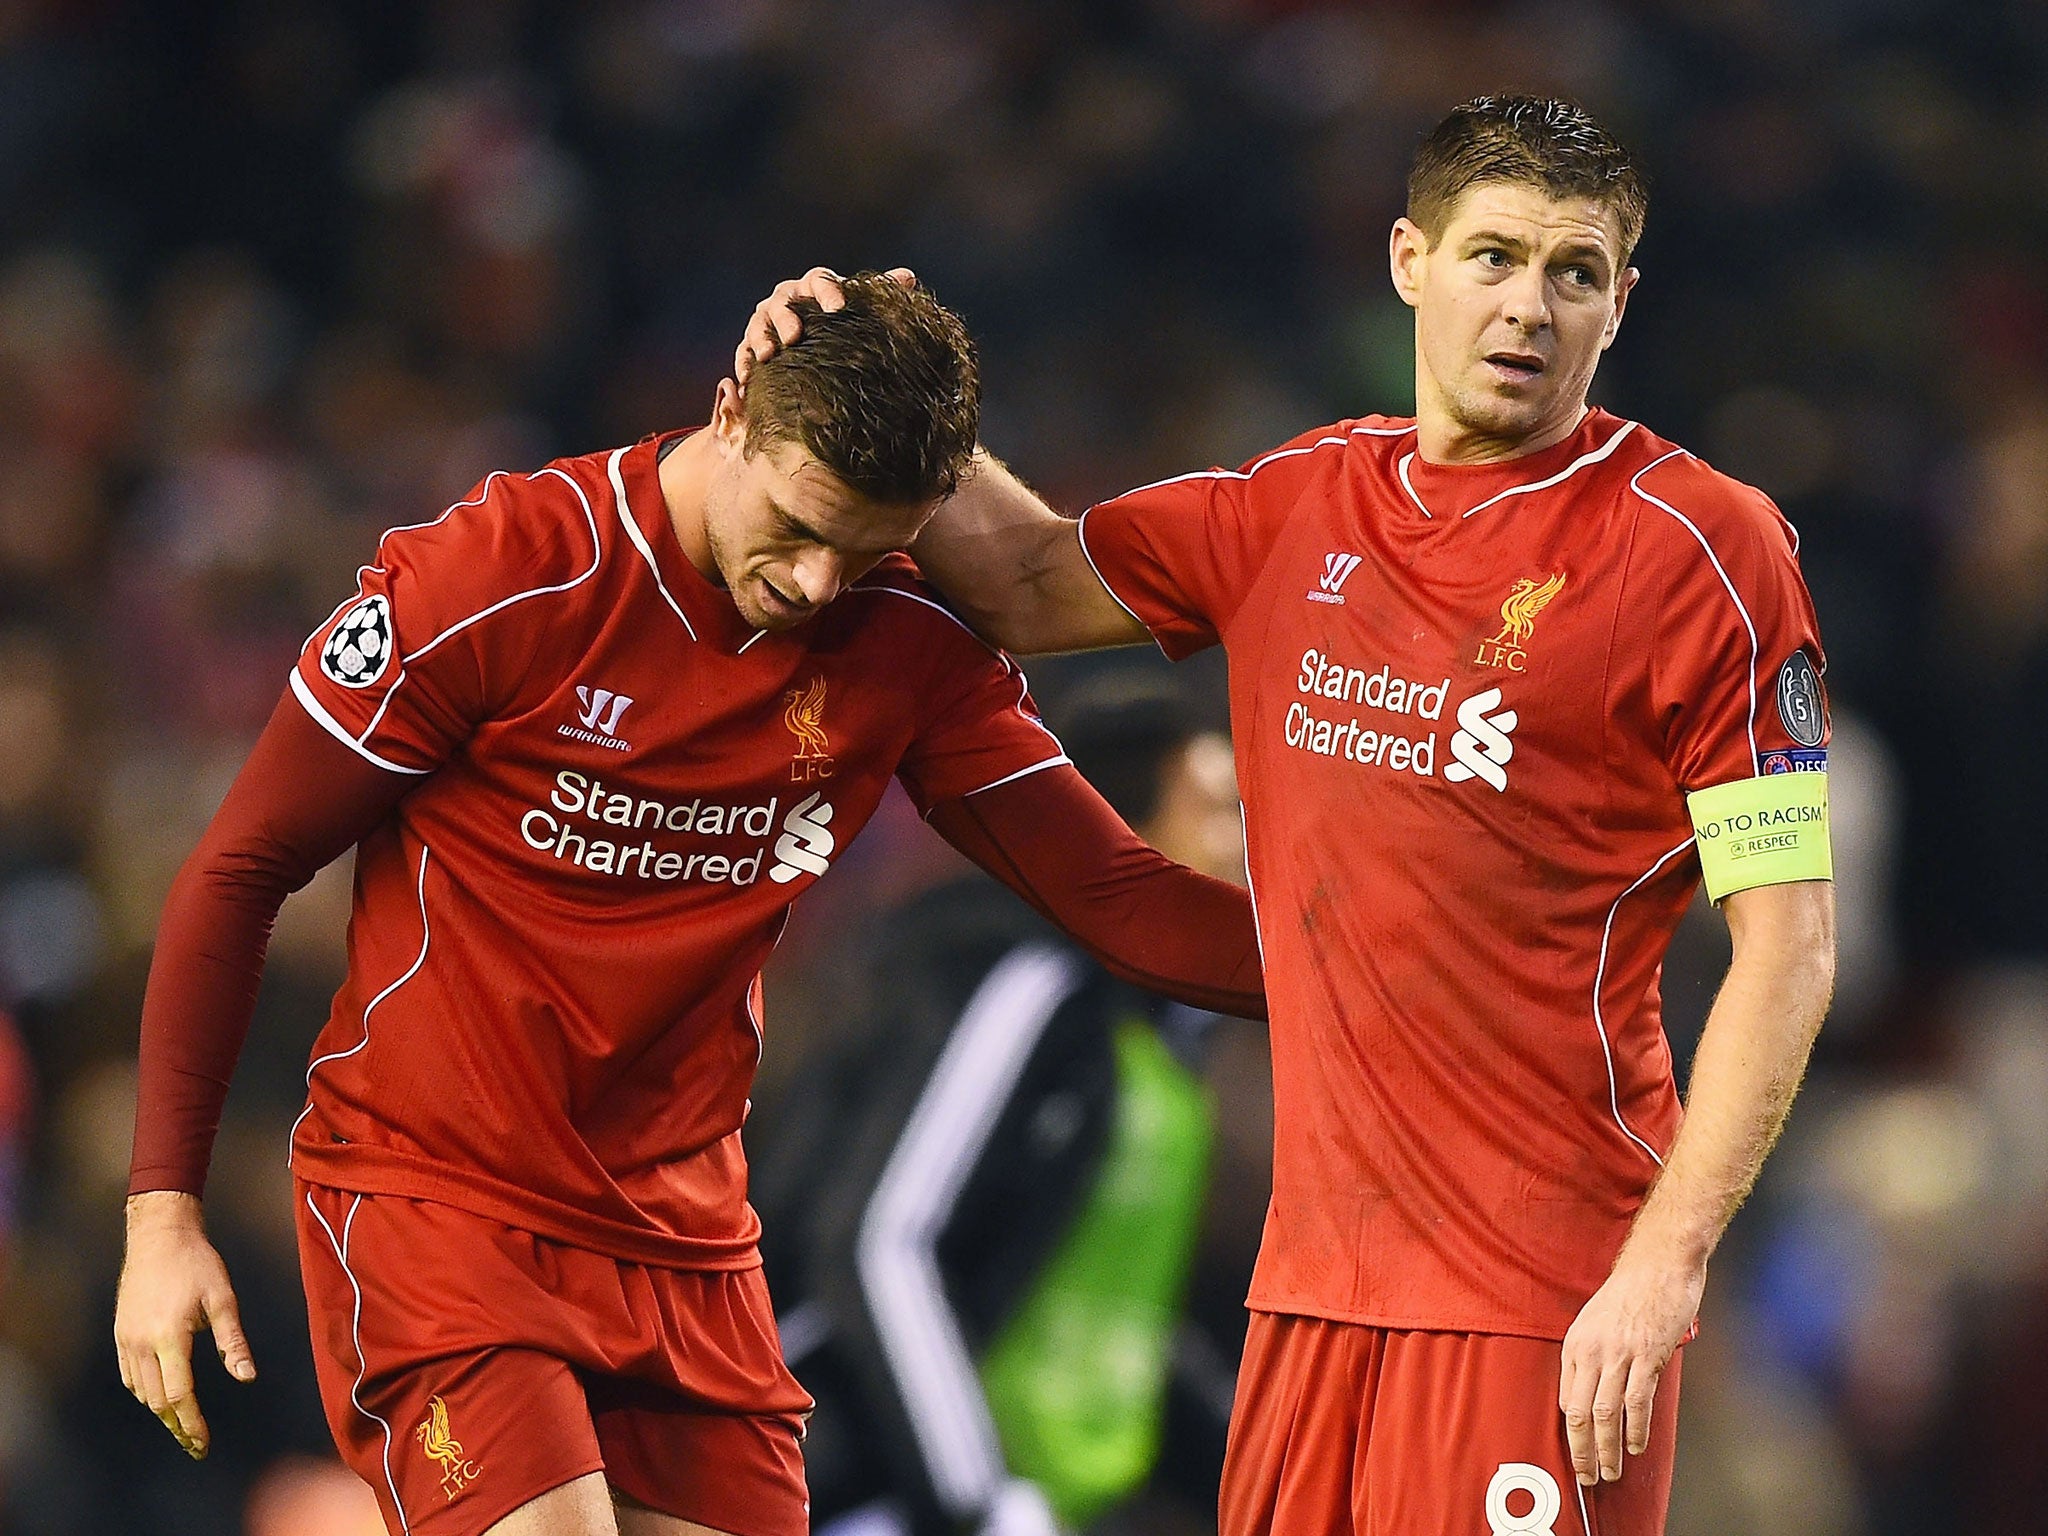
(685, 477)
(1441, 438)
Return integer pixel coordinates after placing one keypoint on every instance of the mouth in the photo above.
(782, 609)
(1515, 367)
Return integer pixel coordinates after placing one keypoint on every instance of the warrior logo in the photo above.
(1337, 569)
(804, 714)
(1518, 622)
(440, 1444)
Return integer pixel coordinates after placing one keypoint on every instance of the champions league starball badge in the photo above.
(359, 649)
(1801, 705)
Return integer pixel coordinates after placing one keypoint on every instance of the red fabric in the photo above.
(1054, 841)
(1467, 829)
(1345, 1430)
(562, 906)
(549, 1362)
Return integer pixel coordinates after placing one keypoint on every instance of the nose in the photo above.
(1525, 298)
(819, 574)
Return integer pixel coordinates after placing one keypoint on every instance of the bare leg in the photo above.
(636, 1519)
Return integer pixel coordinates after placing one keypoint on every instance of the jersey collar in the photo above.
(1448, 493)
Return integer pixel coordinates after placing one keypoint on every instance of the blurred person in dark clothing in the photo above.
(985, 1195)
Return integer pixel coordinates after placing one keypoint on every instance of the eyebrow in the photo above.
(802, 529)
(1578, 250)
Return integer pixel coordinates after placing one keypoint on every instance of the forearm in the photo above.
(1015, 569)
(1745, 1075)
(1052, 839)
(300, 801)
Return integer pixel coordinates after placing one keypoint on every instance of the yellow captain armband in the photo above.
(1767, 831)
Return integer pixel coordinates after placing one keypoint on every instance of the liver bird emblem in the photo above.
(804, 714)
(436, 1439)
(1518, 614)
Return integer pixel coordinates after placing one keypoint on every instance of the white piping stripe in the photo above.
(1408, 485)
(596, 559)
(1024, 683)
(1081, 534)
(945, 1134)
(1592, 457)
(1258, 464)
(757, 634)
(640, 540)
(1636, 485)
(917, 597)
(426, 936)
(304, 692)
(1258, 937)
(1599, 1019)
(356, 1332)
(1021, 773)
(1585, 1521)
(477, 500)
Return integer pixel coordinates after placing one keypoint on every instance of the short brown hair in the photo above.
(1531, 140)
(885, 393)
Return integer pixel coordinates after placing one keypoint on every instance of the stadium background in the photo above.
(276, 275)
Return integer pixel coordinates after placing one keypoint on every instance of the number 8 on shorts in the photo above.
(1521, 1477)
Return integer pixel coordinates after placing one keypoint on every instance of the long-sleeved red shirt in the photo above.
(584, 795)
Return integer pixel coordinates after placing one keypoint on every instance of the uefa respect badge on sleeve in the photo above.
(1770, 830)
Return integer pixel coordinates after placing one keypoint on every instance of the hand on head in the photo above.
(776, 323)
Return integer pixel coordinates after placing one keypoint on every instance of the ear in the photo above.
(1622, 289)
(1406, 248)
(728, 420)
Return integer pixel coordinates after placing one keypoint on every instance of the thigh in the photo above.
(731, 1472)
(1297, 1427)
(1467, 1440)
(450, 1440)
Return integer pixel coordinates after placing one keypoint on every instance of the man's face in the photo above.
(787, 534)
(1514, 304)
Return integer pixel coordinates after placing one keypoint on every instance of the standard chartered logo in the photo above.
(1481, 746)
(805, 846)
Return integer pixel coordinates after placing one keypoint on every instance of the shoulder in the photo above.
(1352, 439)
(1702, 509)
(547, 524)
(895, 605)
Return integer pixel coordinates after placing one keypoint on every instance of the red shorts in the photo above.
(1341, 1428)
(468, 1367)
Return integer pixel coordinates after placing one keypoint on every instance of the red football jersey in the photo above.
(552, 1009)
(1468, 704)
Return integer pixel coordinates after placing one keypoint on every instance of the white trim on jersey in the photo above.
(1081, 535)
(596, 559)
(1258, 938)
(1021, 773)
(340, 1246)
(894, 1252)
(1600, 981)
(1401, 472)
(639, 539)
(1009, 666)
(1591, 456)
(477, 500)
(303, 691)
(426, 937)
(1636, 485)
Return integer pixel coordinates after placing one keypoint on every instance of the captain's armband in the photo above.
(1766, 831)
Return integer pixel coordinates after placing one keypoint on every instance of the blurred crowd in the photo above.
(276, 274)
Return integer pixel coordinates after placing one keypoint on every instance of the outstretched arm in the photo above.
(1014, 567)
(1744, 1076)
(300, 801)
(1054, 841)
